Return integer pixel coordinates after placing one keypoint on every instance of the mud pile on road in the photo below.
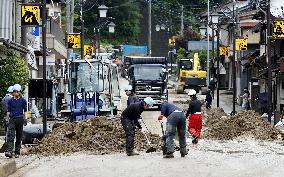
(98, 135)
(243, 125)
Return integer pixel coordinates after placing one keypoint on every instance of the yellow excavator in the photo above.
(190, 76)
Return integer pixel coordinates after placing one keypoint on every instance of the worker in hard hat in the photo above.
(132, 98)
(176, 121)
(17, 107)
(129, 121)
(4, 104)
(212, 86)
(194, 116)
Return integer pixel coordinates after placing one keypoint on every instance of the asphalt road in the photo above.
(210, 158)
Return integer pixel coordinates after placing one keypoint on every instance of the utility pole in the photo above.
(213, 52)
(69, 24)
(218, 61)
(234, 59)
(208, 43)
(72, 16)
(181, 21)
(150, 28)
(269, 67)
(44, 63)
(82, 31)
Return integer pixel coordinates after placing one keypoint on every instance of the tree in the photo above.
(13, 70)
(126, 16)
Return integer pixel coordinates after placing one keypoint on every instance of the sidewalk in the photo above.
(225, 101)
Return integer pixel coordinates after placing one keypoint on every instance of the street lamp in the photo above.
(215, 21)
(102, 23)
(111, 26)
(158, 27)
(103, 11)
(203, 30)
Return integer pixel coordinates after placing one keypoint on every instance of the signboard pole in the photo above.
(218, 63)
(269, 68)
(44, 64)
(82, 32)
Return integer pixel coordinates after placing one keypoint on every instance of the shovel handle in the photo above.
(148, 141)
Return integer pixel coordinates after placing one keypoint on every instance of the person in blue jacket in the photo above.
(176, 121)
(132, 98)
(17, 107)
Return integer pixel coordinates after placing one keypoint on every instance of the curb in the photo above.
(7, 167)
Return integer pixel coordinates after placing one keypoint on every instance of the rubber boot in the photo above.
(169, 155)
(133, 153)
(8, 154)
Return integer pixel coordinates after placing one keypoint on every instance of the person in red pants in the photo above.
(194, 116)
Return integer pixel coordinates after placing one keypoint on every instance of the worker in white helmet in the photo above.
(4, 104)
(194, 116)
(132, 98)
(17, 107)
(129, 121)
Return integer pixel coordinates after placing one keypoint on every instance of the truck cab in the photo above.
(148, 77)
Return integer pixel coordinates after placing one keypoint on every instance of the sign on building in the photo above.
(278, 29)
(74, 41)
(172, 41)
(30, 15)
(88, 50)
(241, 44)
(36, 39)
(224, 51)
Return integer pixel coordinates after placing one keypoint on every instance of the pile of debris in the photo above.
(245, 125)
(98, 135)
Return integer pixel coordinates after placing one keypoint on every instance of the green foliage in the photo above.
(126, 17)
(13, 70)
(180, 53)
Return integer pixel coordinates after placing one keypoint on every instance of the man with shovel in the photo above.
(129, 120)
(176, 121)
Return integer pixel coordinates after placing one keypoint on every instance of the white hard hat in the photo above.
(191, 92)
(128, 88)
(17, 87)
(149, 101)
(10, 89)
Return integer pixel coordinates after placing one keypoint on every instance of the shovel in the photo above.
(151, 149)
(164, 139)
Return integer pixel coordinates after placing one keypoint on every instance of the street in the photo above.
(77, 76)
(210, 158)
(243, 157)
